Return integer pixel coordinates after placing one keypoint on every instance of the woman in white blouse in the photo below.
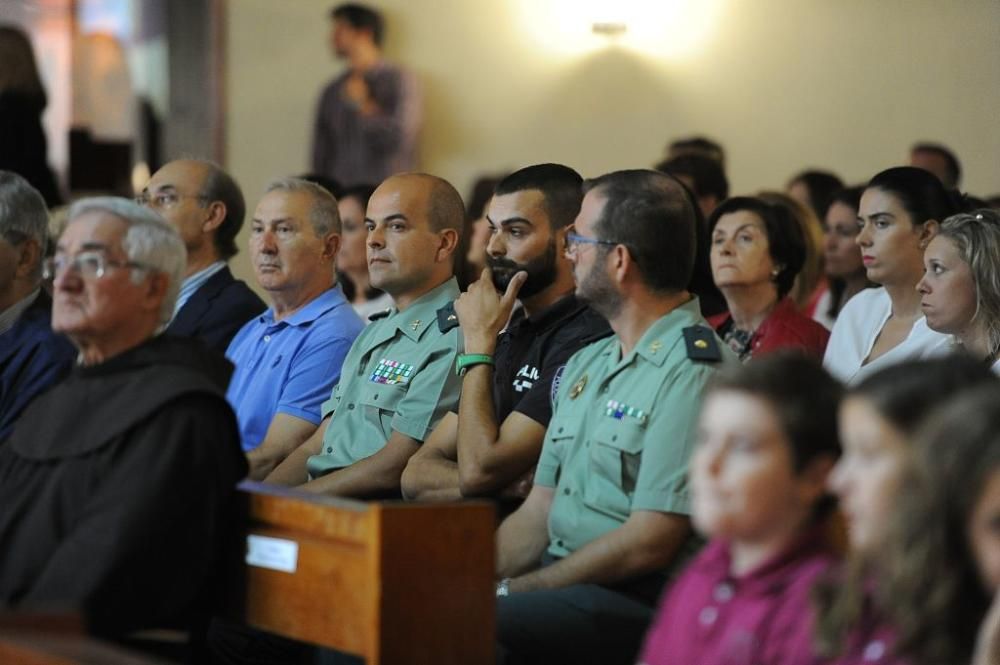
(960, 290)
(900, 212)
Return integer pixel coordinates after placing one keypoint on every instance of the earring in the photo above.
(775, 272)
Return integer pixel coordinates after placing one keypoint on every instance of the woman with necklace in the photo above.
(757, 250)
(960, 290)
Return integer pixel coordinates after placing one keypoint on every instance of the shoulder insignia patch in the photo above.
(702, 344)
(380, 315)
(447, 319)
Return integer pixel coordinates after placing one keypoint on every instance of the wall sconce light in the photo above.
(609, 29)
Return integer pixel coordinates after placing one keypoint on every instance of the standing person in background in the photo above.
(23, 147)
(899, 213)
(845, 273)
(369, 117)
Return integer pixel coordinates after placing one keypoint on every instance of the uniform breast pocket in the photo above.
(379, 403)
(615, 456)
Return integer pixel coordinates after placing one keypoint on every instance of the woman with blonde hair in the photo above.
(960, 289)
(23, 147)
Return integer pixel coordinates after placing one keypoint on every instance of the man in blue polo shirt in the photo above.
(288, 359)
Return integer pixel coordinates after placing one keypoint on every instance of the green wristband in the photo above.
(467, 360)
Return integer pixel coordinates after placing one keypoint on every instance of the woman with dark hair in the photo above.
(960, 289)
(352, 261)
(757, 250)
(23, 147)
(815, 189)
(845, 273)
(767, 438)
(879, 418)
(899, 213)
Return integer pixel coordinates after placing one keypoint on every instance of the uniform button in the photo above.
(707, 616)
(350, 407)
(559, 543)
(614, 437)
(329, 449)
(559, 431)
(723, 593)
(267, 338)
(375, 397)
(566, 491)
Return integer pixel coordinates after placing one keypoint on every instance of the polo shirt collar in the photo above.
(554, 313)
(422, 312)
(315, 308)
(771, 575)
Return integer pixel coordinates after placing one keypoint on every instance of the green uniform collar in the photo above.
(659, 340)
(422, 313)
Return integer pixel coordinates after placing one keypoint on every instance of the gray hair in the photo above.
(149, 240)
(324, 216)
(23, 214)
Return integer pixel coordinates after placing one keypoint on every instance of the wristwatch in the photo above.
(503, 587)
(467, 360)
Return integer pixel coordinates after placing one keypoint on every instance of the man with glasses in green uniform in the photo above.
(583, 559)
(398, 379)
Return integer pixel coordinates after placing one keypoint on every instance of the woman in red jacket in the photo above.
(757, 250)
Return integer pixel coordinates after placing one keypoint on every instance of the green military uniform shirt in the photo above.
(399, 375)
(623, 429)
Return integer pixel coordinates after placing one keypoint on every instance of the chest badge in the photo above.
(391, 372)
(621, 411)
(578, 387)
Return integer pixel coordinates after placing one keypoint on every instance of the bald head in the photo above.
(445, 209)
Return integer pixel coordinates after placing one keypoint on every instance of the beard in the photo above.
(541, 272)
(595, 289)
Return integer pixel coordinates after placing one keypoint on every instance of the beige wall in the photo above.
(784, 84)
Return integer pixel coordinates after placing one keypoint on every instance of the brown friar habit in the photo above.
(116, 487)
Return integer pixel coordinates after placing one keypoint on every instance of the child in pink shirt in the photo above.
(767, 440)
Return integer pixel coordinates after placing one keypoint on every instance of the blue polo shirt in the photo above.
(289, 366)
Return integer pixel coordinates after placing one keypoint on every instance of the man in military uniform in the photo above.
(508, 377)
(583, 559)
(398, 378)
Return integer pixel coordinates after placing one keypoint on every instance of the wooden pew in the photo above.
(391, 582)
(58, 639)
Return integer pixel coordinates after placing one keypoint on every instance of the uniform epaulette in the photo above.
(702, 344)
(380, 315)
(447, 318)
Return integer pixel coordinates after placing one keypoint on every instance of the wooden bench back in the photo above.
(391, 582)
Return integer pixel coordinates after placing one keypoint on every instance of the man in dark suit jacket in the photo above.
(206, 206)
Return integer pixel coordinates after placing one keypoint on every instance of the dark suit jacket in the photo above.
(217, 310)
(32, 359)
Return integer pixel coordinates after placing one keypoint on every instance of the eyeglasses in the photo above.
(165, 200)
(90, 265)
(574, 241)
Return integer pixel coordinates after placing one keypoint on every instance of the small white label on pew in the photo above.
(273, 553)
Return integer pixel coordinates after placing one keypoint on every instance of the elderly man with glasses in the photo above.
(115, 484)
(206, 207)
(32, 357)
